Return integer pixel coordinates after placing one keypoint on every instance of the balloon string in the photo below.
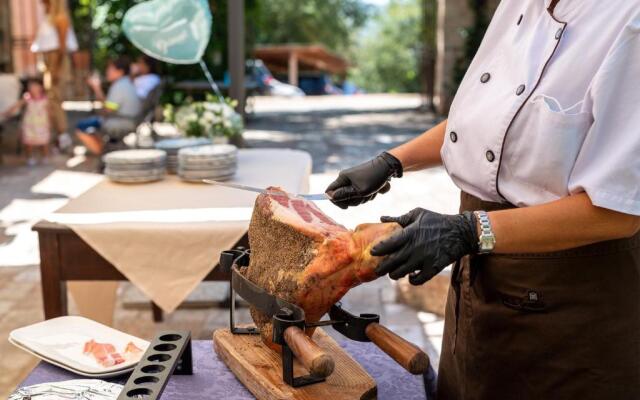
(203, 65)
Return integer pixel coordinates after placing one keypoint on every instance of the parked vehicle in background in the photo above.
(258, 73)
(315, 84)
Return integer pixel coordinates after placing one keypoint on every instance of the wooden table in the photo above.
(64, 256)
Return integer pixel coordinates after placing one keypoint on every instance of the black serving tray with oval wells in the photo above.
(168, 354)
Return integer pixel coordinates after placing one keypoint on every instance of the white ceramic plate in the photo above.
(60, 341)
(135, 167)
(135, 156)
(138, 179)
(173, 145)
(220, 178)
(209, 151)
(68, 368)
(134, 173)
(214, 175)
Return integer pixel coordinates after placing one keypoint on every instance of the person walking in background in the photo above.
(145, 75)
(54, 41)
(36, 130)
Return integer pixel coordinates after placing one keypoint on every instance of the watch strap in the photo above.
(486, 239)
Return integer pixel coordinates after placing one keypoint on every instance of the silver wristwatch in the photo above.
(487, 240)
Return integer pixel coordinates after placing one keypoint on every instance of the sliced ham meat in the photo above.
(132, 348)
(104, 353)
(303, 256)
(107, 356)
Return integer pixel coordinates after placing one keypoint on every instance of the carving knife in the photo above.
(317, 196)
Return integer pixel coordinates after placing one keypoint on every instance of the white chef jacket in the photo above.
(550, 106)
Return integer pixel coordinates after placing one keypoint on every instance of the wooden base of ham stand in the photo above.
(260, 369)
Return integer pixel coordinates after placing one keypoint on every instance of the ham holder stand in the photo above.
(289, 326)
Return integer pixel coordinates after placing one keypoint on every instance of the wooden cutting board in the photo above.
(260, 370)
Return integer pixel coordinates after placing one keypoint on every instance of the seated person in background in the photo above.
(145, 75)
(120, 110)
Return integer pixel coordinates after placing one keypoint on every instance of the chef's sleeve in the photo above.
(608, 165)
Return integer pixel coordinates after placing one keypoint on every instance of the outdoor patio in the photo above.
(337, 131)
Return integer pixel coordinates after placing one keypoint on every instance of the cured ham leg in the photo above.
(301, 255)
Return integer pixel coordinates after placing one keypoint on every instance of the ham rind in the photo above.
(300, 254)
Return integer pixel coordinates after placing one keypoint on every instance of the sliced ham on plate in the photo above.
(107, 356)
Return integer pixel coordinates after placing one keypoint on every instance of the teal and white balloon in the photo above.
(174, 31)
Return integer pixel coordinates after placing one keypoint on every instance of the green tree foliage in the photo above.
(98, 24)
(328, 22)
(388, 56)
(473, 36)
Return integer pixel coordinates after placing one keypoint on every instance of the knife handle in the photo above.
(405, 353)
(314, 359)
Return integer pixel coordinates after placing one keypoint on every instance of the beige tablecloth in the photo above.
(165, 237)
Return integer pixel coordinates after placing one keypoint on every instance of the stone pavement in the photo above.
(337, 131)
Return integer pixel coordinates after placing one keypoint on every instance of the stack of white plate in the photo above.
(217, 162)
(172, 146)
(135, 166)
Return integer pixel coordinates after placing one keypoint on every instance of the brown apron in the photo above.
(562, 325)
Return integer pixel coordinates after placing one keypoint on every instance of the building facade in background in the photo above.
(19, 20)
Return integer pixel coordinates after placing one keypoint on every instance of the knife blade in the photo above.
(316, 196)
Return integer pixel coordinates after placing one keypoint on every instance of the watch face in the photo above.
(486, 244)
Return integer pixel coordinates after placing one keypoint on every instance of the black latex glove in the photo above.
(427, 244)
(363, 182)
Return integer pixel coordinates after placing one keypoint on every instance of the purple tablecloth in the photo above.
(211, 378)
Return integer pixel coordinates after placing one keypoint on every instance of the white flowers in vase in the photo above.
(206, 119)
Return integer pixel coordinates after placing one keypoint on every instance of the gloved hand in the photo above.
(427, 244)
(363, 182)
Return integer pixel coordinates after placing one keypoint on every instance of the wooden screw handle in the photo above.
(405, 353)
(314, 359)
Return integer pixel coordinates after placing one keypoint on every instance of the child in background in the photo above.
(36, 130)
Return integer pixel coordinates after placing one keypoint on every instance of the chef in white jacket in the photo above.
(543, 139)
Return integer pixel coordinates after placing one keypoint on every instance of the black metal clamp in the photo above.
(240, 257)
(168, 354)
(281, 320)
(352, 326)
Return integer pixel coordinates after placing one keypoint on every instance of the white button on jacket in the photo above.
(550, 106)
